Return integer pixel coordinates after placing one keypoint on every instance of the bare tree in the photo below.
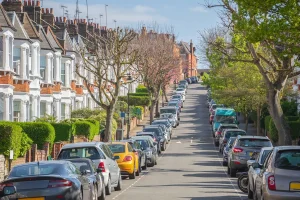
(111, 58)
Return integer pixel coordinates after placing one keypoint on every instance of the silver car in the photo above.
(101, 156)
(279, 178)
(255, 168)
(242, 150)
(167, 124)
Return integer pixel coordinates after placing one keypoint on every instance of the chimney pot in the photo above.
(43, 10)
(65, 19)
(38, 3)
(47, 10)
(60, 19)
(51, 11)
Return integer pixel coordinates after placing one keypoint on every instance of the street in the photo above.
(191, 167)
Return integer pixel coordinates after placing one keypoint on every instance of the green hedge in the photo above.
(10, 138)
(273, 131)
(292, 118)
(139, 94)
(95, 129)
(295, 127)
(84, 113)
(26, 143)
(267, 122)
(84, 128)
(136, 100)
(63, 131)
(141, 89)
(39, 132)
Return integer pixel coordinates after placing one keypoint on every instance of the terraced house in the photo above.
(38, 57)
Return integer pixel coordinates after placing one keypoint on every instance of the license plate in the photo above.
(34, 198)
(295, 186)
(250, 153)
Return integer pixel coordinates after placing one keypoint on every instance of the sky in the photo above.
(186, 17)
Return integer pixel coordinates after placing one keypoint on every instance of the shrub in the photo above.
(136, 100)
(141, 89)
(289, 108)
(141, 108)
(292, 118)
(10, 138)
(121, 106)
(39, 132)
(26, 143)
(84, 113)
(267, 122)
(273, 131)
(295, 127)
(84, 128)
(102, 119)
(139, 94)
(63, 131)
(95, 128)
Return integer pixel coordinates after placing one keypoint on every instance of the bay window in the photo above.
(17, 110)
(43, 67)
(63, 74)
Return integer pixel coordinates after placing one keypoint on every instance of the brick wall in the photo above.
(2, 167)
(21, 86)
(47, 90)
(57, 87)
(6, 79)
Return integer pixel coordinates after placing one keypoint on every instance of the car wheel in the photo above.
(95, 193)
(250, 193)
(228, 169)
(232, 172)
(102, 197)
(108, 187)
(119, 186)
(216, 144)
(145, 166)
(132, 176)
(152, 163)
(137, 173)
(224, 163)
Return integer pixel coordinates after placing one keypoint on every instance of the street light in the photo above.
(128, 108)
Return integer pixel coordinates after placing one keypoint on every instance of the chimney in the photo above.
(61, 22)
(191, 48)
(97, 29)
(91, 28)
(15, 5)
(33, 9)
(103, 30)
(48, 17)
(82, 27)
(144, 31)
(72, 27)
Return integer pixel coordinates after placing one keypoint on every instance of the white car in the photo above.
(182, 94)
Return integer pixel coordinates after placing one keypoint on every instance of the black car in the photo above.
(166, 122)
(96, 179)
(159, 136)
(148, 148)
(48, 180)
(154, 140)
(138, 148)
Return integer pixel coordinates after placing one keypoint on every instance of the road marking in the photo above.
(178, 142)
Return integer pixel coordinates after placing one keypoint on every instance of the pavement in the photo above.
(190, 168)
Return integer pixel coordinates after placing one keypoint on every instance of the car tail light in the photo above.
(224, 141)
(101, 166)
(2, 185)
(59, 183)
(218, 133)
(271, 182)
(237, 150)
(127, 159)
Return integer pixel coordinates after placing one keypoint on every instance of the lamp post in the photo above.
(128, 108)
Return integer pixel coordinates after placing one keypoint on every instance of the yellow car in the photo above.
(126, 157)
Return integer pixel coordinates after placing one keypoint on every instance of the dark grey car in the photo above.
(226, 134)
(49, 180)
(242, 150)
(226, 150)
(159, 136)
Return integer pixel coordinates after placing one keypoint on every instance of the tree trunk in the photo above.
(246, 121)
(258, 127)
(165, 94)
(152, 111)
(276, 113)
(108, 126)
(157, 108)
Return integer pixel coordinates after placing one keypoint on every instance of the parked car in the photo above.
(254, 169)
(165, 122)
(177, 97)
(226, 134)
(154, 138)
(159, 135)
(49, 180)
(181, 91)
(95, 176)
(242, 150)
(183, 86)
(218, 133)
(170, 109)
(279, 176)
(138, 149)
(224, 116)
(188, 80)
(213, 107)
(226, 149)
(184, 82)
(101, 156)
(211, 118)
(150, 149)
(170, 117)
(176, 104)
(127, 159)
(165, 129)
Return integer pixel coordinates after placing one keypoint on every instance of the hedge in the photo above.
(139, 94)
(136, 100)
(39, 132)
(10, 138)
(26, 143)
(295, 127)
(267, 122)
(63, 131)
(141, 89)
(273, 131)
(84, 113)
(95, 129)
(84, 128)
(292, 118)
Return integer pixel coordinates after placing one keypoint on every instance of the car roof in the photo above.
(144, 133)
(166, 107)
(45, 162)
(144, 137)
(117, 142)
(234, 130)
(161, 120)
(228, 125)
(251, 137)
(82, 144)
(280, 148)
(80, 160)
(267, 148)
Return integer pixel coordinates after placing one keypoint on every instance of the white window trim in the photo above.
(7, 64)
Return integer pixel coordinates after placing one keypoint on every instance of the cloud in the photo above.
(198, 9)
(124, 17)
(143, 9)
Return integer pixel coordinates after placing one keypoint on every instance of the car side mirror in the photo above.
(8, 190)
(256, 165)
(116, 157)
(85, 172)
(98, 170)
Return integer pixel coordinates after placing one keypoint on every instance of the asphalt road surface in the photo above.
(191, 167)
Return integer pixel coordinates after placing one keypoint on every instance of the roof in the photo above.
(52, 38)
(281, 148)
(45, 162)
(119, 142)
(142, 137)
(235, 130)
(251, 137)
(64, 39)
(4, 19)
(145, 133)
(229, 125)
(184, 47)
(167, 107)
(82, 144)
(20, 30)
(28, 26)
(46, 43)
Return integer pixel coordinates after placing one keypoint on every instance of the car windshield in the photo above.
(254, 142)
(117, 148)
(155, 130)
(288, 159)
(80, 152)
(234, 133)
(168, 110)
(176, 97)
(225, 119)
(180, 89)
(182, 82)
(172, 104)
(35, 170)
(144, 144)
(217, 106)
(81, 165)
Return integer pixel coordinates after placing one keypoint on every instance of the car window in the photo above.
(144, 143)
(81, 165)
(288, 159)
(254, 142)
(80, 152)
(130, 149)
(234, 133)
(34, 170)
(110, 153)
(137, 145)
(106, 152)
(74, 169)
(264, 156)
(117, 148)
(268, 160)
